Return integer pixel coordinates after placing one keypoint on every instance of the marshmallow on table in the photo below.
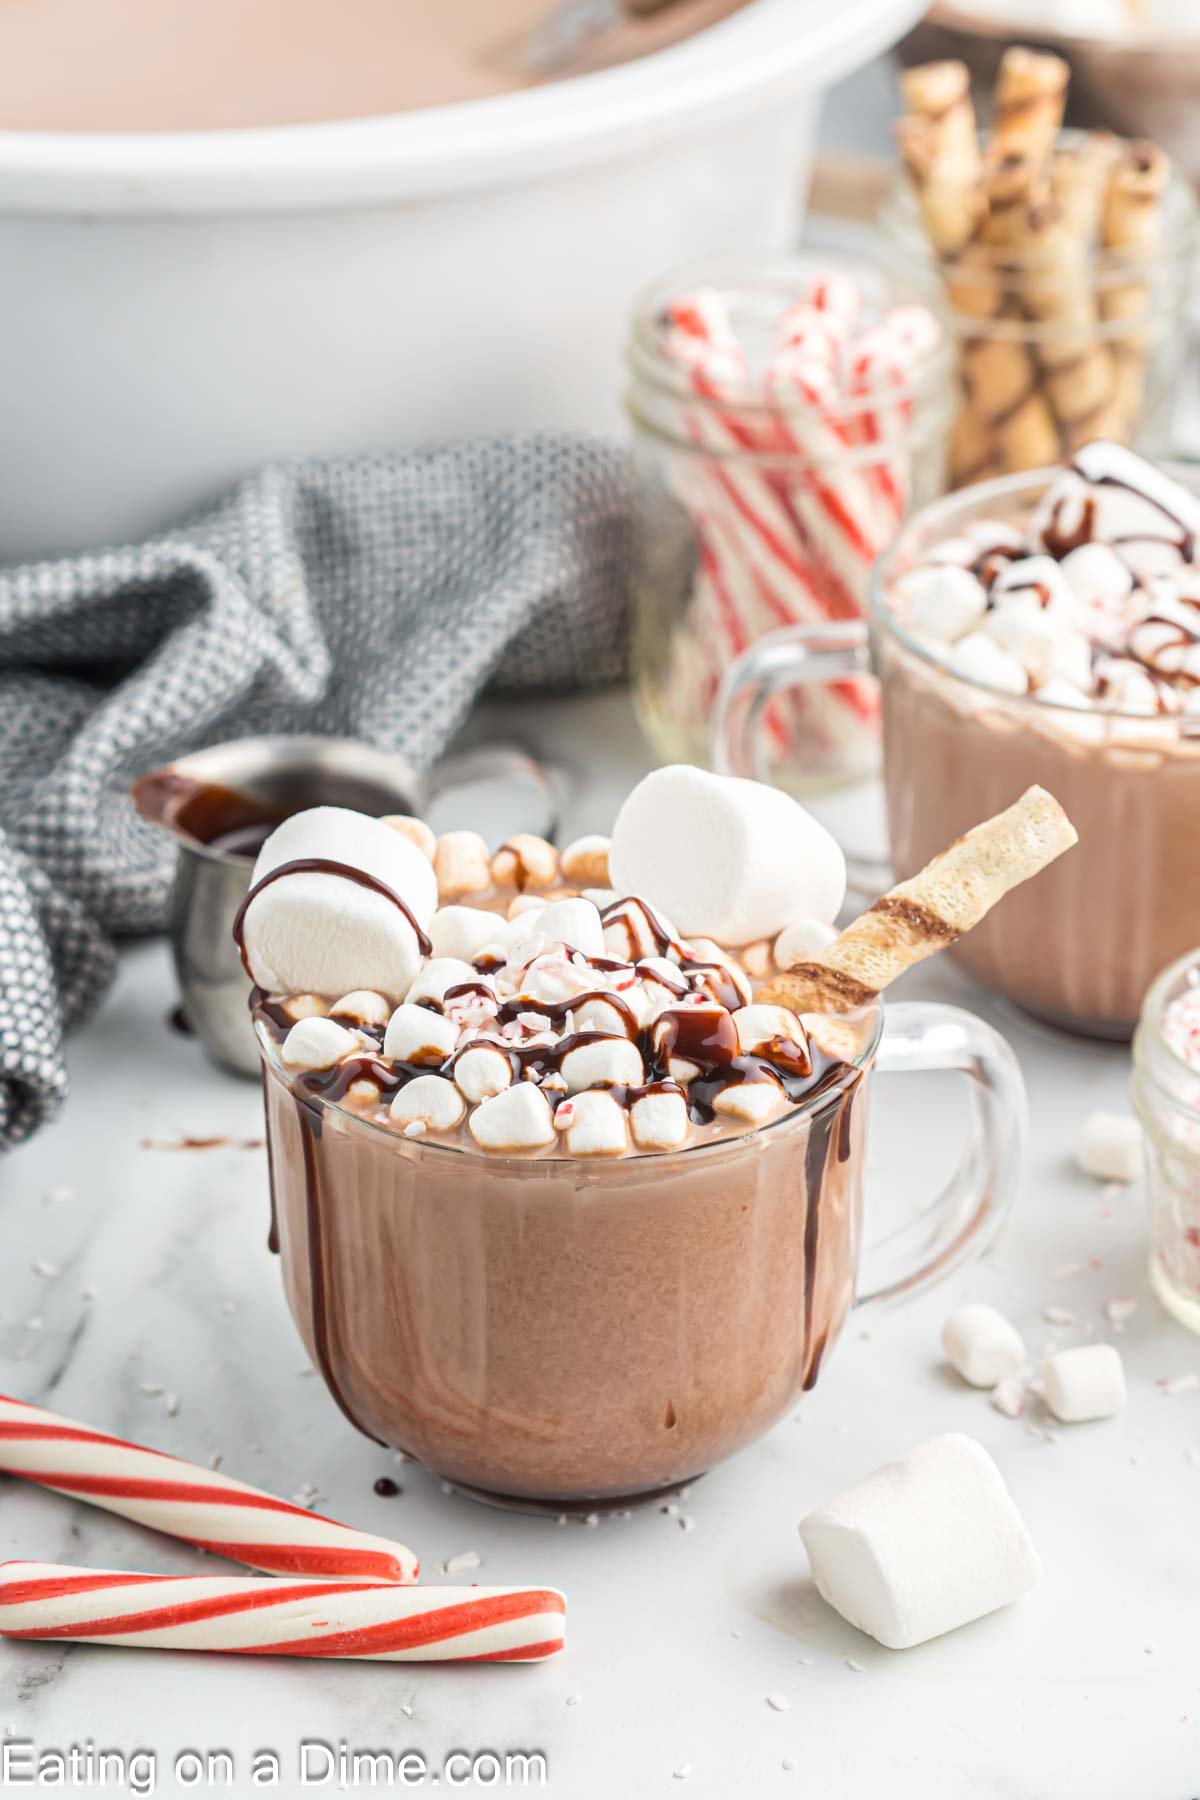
(928, 1543)
(1110, 1146)
(729, 859)
(981, 1345)
(1087, 1382)
(417, 1035)
(430, 1101)
(517, 1119)
(318, 1043)
(328, 933)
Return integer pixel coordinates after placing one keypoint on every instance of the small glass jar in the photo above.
(756, 508)
(1166, 1093)
(1058, 340)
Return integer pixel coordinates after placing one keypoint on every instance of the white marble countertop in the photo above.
(130, 1269)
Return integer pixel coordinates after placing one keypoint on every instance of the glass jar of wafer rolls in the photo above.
(1058, 262)
(787, 416)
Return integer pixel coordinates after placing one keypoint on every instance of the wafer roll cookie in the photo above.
(1131, 221)
(1027, 107)
(922, 916)
(1078, 178)
(1077, 369)
(940, 148)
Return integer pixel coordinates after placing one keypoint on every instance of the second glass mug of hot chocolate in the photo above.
(543, 1329)
(1081, 946)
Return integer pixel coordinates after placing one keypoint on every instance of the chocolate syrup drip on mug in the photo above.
(321, 865)
(310, 1122)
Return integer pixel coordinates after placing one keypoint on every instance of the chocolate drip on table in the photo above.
(322, 865)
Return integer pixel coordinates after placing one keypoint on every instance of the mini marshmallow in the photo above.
(463, 932)
(612, 1060)
(599, 1015)
(1040, 580)
(1109, 1146)
(481, 1071)
(305, 1006)
(415, 830)
(440, 973)
(364, 1006)
(575, 923)
(526, 903)
(553, 976)
(659, 1121)
(631, 931)
(585, 862)
(1057, 692)
(326, 932)
(517, 1119)
(982, 1346)
(461, 865)
(596, 1125)
(753, 1102)
(316, 1043)
(800, 941)
(417, 1035)
(926, 1544)
(944, 601)
(525, 861)
(601, 897)
(436, 1103)
(1123, 685)
(726, 858)
(713, 985)
(720, 1036)
(758, 1025)
(980, 658)
(1096, 574)
(1087, 1382)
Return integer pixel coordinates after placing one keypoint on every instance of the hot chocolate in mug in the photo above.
(581, 1331)
(1081, 946)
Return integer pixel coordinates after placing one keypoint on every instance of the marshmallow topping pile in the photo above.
(542, 1003)
(1096, 603)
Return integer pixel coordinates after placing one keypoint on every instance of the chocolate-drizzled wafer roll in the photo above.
(922, 916)
(1079, 175)
(1028, 103)
(1075, 366)
(1131, 223)
(939, 146)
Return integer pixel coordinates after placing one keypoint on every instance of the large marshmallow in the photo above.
(430, 1101)
(417, 1035)
(1119, 497)
(517, 1119)
(327, 933)
(928, 1543)
(981, 1345)
(729, 859)
(1087, 1382)
(317, 1043)
(1109, 1146)
(465, 932)
(612, 1061)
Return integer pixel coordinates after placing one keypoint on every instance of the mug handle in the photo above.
(964, 1219)
(782, 659)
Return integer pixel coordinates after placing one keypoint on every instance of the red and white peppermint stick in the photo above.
(358, 1620)
(207, 1509)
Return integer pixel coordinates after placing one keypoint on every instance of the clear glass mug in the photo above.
(548, 1331)
(1080, 945)
(1166, 1094)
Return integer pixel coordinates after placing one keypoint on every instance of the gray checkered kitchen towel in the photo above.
(373, 597)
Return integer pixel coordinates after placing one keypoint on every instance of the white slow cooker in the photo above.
(175, 308)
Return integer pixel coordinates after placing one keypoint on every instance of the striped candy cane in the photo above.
(209, 1510)
(357, 1620)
